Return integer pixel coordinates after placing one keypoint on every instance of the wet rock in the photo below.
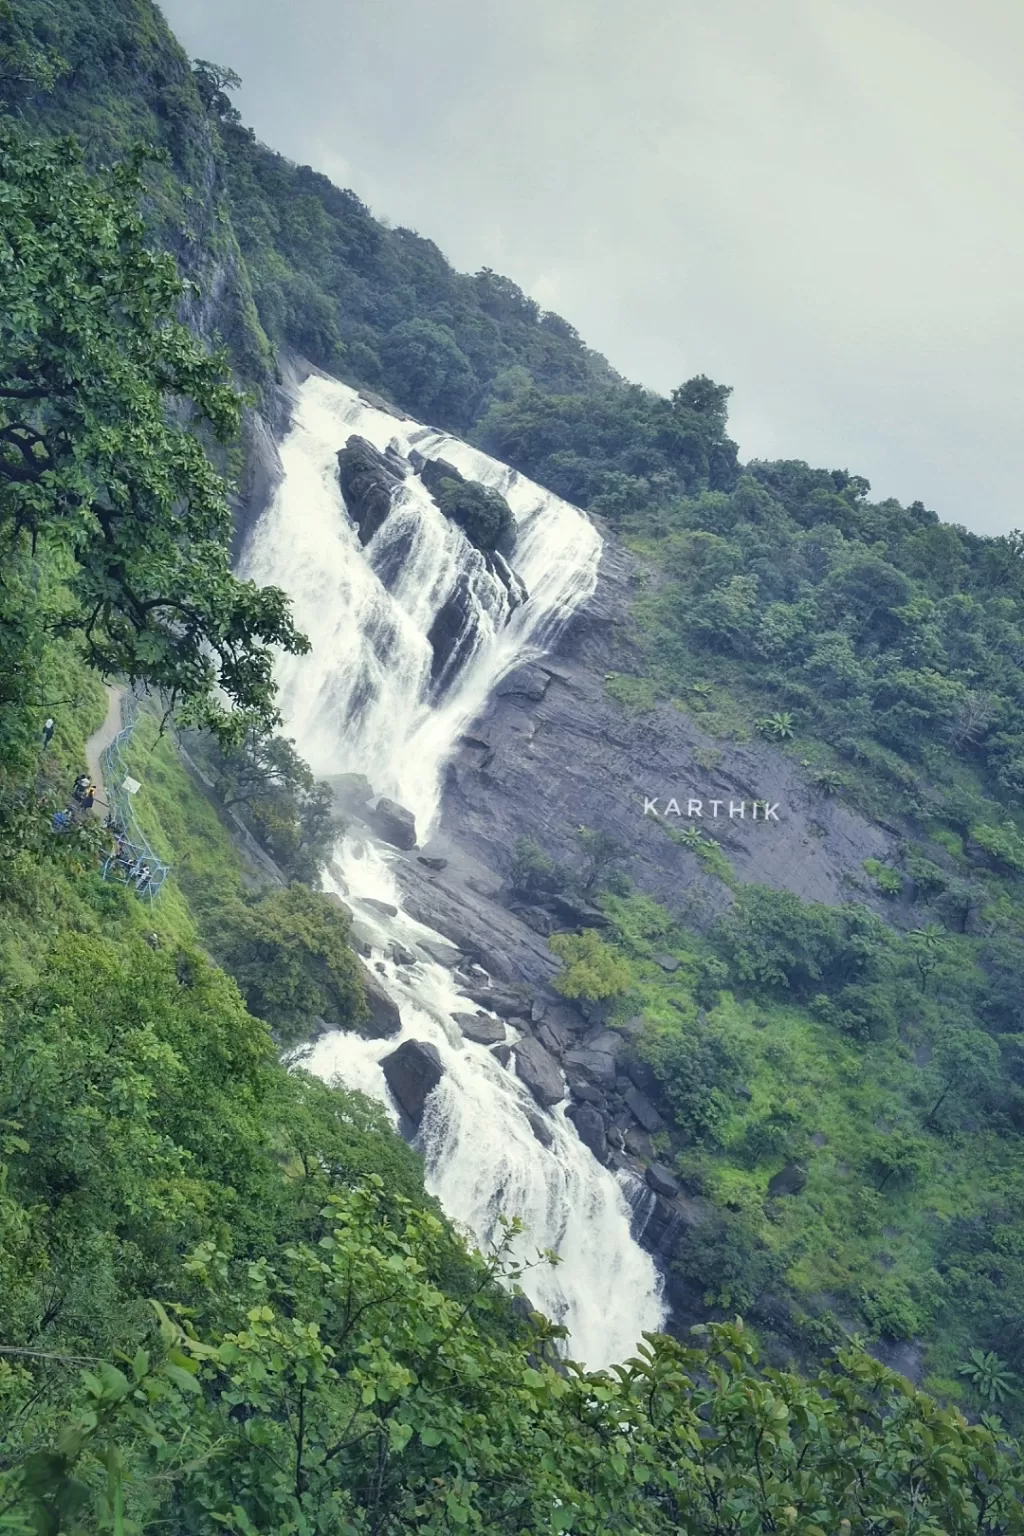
(590, 1128)
(335, 899)
(385, 1019)
(540, 1127)
(511, 580)
(597, 1066)
(412, 1073)
(583, 1090)
(360, 939)
(433, 471)
(510, 1005)
(384, 908)
(539, 1071)
(668, 1224)
(668, 963)
(452, 634)
(399, 954)
(662, 1180)
(433, 863)
(441, 952)
(538, 1008)
(394, 824)
(503, 1053)
(350, 789)
(789, 1181)
(368, 480)
(553, 1034)
(527, 682)
(481, 1029)
(638, 1144)
(642, 1110)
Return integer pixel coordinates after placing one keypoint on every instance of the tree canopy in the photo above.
(105, 400)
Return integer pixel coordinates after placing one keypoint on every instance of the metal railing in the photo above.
(132, 860)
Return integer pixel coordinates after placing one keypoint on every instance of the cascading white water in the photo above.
(362, 701)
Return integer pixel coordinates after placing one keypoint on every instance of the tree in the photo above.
(696, 1065)
(897, 1155)
(289, 953)
(213, 81)
(592, 968)
(990, 1376)
(24, 65)
(604, 855)
(482, 513)
(288, 810)
(927, 946)
(104, 401)
(964, 1059)
(427, 370)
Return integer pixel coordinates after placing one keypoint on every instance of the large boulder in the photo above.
(642, 1110)
(590, 1128)
(597, 1066)
(662, 1180)
(554, 1036)
(412, 1073)
(385, 1019)
(368, 480)
(452, 635)
(539, 1071)
(788, 1181)
(511, 1005)
(478, 1027)
(394, 823)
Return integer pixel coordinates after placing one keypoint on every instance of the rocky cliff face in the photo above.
(552, 751)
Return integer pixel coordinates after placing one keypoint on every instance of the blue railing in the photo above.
(132, 860)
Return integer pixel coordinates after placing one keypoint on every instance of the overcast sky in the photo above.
(818, 202)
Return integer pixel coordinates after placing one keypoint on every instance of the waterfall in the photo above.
(365, 700)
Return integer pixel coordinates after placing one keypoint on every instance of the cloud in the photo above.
(816, 201)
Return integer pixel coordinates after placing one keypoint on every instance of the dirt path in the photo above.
(100, 740)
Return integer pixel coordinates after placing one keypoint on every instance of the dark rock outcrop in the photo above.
(541, 1128)
(478, 1027)
(511, 1005)
(368, 480)
(453, 633)
(385, 1019)
(788, 1181)
(567, 753)
(590, 1128)
(662, 1180)
(412, 1073)
(539, 1071)
(596, 1066)
(394, 823)
(643, 1111)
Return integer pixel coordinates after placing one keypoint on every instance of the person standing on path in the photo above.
(49, 726)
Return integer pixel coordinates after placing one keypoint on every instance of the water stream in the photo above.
(364, 700)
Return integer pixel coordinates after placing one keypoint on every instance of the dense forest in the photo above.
(226, 1301)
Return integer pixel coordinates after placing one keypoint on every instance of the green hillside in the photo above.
(226, 1301)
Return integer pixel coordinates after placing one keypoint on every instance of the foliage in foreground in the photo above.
(104, 399)
(342, 1391)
